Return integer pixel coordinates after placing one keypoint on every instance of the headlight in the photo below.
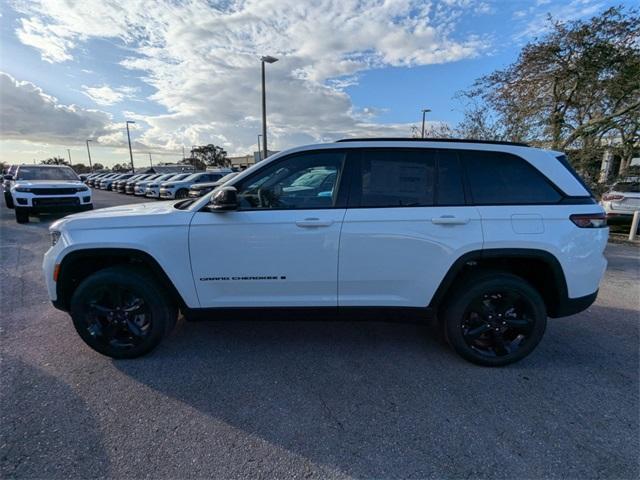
(23, 189)
(55, 236)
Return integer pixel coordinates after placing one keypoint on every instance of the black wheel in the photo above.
(121, 312)
(494, 319)
(22, 215)
(8, 200)
(182, 193)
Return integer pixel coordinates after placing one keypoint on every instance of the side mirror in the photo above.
(225, 198)
(8, 177)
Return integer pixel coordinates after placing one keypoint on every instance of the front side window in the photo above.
(307, 180)
(497, 178)
(46, 173)
(395, 178)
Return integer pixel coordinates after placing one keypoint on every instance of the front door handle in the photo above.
(449, 220)
(313, 222)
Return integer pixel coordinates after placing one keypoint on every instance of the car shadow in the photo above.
(388, 400)
(39, 439)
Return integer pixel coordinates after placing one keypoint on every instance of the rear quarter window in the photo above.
(498, 178)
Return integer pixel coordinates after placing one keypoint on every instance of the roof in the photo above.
(449, 140)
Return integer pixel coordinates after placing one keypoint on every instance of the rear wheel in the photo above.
(121, 312)
(494, 319)
(8, 200)
(182, 193)
(22, 215)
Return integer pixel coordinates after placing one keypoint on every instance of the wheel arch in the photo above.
(79, 264)
(539, 267)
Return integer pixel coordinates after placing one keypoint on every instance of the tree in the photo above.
(80, 168)
(120, 168)
(566, 91)
(210, 155)
(97, 167)
(439, 130)
(54, 161)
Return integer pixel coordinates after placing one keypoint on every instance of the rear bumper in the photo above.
(571, 306)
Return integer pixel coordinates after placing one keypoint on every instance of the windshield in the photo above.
(46, 173)
(627, 187)
(193, 176)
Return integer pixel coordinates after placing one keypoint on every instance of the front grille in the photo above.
(54, 191)
(43, 202)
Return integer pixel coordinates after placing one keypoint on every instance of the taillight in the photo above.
(607, 197)
(589, 220)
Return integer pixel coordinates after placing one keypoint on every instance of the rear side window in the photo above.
(395, 178)
(565, 162)
(497, 178)
(450, 190)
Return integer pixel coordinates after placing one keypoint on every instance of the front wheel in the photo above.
(22, 215)
(121, 312)
(8, 200)
(494, 319)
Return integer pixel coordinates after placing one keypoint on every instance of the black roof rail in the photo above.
(449, 140)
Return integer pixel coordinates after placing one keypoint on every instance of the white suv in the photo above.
(46, 188)
(487, 238)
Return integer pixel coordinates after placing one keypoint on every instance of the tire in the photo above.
(22, 215)
(8, 200)
(145, 316)
(182, 193)
(494, 319)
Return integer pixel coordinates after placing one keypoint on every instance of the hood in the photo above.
(137, 215)
(49, 183)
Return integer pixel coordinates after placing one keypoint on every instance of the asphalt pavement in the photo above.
(267, 399)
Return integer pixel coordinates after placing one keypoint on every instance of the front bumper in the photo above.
(167, 194)
(49, 203)
(152, 193)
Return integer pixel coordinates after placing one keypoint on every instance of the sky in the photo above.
(188, 72)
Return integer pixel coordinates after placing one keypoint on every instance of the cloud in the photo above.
(201, 59)
(538, 16)
(105, 95)
(28, 113)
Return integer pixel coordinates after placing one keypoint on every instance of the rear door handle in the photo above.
(313, 222)
(449, 220)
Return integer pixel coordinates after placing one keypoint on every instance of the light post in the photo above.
(263, 60)
(133, 170)
(69, 153)
(424, 112)
(150, 161)
(259, 151)
(89, 153)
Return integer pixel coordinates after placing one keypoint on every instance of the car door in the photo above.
(280, 247)
(407, 222)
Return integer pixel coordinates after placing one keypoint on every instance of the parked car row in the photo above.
(165, 186)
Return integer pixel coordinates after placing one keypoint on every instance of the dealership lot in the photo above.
(312, 399)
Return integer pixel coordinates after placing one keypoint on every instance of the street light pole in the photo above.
(263, 60)
(424, 112)
(89, 153)
(133, 170)
(150, 161)
(69, 153)
(259, 151)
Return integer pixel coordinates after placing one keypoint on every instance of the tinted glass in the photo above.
(301, 181)
(497, 178)
(396, 178)
(450, 180)
(626, 187)
(46, 173)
